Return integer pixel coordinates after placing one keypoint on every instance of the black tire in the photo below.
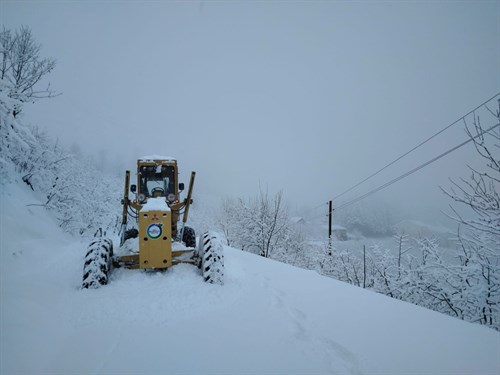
(212, 259)
(131, 233)
(189, 237)
(97, 263)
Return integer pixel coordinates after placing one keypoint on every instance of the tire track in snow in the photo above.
(110, 352)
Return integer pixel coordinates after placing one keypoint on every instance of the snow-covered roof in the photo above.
(297, 220)
(155, 204)
(157, 157)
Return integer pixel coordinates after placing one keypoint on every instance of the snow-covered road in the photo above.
(268, 318)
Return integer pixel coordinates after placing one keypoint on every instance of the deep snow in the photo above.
(267, 318)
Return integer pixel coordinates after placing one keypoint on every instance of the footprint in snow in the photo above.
(341, 359)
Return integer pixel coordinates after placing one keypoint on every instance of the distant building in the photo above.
(298, 220)
(340, 233)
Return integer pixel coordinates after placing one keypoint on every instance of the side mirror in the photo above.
(133, 188)
(181, 186)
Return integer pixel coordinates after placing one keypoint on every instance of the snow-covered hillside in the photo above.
(267, 318)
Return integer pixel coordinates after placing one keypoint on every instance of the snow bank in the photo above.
(267, 318)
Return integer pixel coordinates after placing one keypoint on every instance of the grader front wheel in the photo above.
(97, 263)
(212, 259)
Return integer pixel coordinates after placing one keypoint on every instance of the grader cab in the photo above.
(157, 236)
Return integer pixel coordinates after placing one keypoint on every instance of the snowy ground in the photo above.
(268, 317)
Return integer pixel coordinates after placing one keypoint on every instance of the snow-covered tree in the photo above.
(16, 141)
(69, 185)
(21, 70)
(22, 67)
(272, 222)
(478, 281)
(260, 225)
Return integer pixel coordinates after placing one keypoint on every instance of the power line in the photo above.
(315, 217)
(417, 146)
(415, 169)
(314, 208)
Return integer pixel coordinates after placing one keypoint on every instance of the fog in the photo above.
(307, 97)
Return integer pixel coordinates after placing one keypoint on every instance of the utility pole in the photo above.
(330, 211)
(364, 266)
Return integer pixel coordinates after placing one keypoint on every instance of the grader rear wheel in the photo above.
(189, 237)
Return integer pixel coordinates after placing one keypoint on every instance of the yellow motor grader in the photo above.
(156, 238)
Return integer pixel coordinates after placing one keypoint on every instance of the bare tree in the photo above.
(22, 68)
(272, 222)
(260, 224)
(479, 237)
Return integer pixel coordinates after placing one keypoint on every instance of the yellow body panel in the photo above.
(155, 239)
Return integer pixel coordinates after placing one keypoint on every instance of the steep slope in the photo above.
(267, 318)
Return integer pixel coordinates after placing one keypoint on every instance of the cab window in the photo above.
(156, 181)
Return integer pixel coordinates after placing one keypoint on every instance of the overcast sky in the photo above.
(309, 97)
